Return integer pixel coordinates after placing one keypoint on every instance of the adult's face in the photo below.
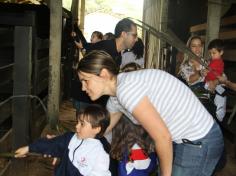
(130, 37)
(92, 84)
(196, 46)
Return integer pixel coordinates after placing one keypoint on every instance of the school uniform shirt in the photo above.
(138, 163)
(85, 157)
(179, 108)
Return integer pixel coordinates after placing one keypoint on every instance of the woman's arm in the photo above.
(151, 120)
(115, 117)
(229, 84)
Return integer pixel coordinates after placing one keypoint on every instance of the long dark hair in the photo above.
(125, 134)
(138, 48)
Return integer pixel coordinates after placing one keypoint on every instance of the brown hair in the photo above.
(97, 116)
(193, 38)
(97, 60)
(125, 134)
(132, 66)
(98, 34)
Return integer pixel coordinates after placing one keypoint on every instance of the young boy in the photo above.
(216, 65)
(81, 152)
(216, 69)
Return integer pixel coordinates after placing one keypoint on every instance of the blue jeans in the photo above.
(198, 158)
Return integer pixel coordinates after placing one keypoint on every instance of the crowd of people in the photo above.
(152, 121)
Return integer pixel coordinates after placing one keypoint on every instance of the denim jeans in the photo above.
(198, 158)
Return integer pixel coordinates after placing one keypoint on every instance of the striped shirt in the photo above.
(182, 112)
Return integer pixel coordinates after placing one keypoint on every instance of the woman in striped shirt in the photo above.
(187, 139)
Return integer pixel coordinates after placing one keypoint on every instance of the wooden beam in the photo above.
(6, 142)
(224, 22)
(213, 22)
(5, 111)
(230, 55)
(6, 73)
(228, 35)
(17, 19)
(82, 15)
(54, 61)
(22, 85)
(6, 170)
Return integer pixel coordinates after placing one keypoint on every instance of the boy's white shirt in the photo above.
(90, 158)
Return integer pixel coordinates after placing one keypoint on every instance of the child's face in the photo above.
(94, 38)
(215, 54)
(84, 129)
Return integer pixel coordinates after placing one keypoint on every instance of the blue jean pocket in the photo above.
(188, 155)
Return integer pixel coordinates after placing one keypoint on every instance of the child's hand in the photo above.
(79, 44)
(21, 152)
(204, 72)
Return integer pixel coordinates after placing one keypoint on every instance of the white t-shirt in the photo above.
(89, 157)
(180, 109)
(129, 57)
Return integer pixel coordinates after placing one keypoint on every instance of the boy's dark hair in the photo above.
(97, 116)
(123, 25)
(218, 44)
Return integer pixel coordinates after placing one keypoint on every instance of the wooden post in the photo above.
(82, 14)
(21, 107)
(22, 85)
(54, 61)
(75, 10)
(213, 21)
(155, 14)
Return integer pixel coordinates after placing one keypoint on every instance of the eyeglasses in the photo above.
(135, 35)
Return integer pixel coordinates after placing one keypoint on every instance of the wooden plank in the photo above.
(43, 63)
(17, 19)
(6, 73)
(224, 35)
(42, 75)
(230, 55)
(22, 85)
(224, 22)
(6, 142)
(6, 53)
(6, 170)
(42, 43)
(6, 88)
(42, 86)
(6, 37)
(42, 53)
(228, 35)
(5, 111)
